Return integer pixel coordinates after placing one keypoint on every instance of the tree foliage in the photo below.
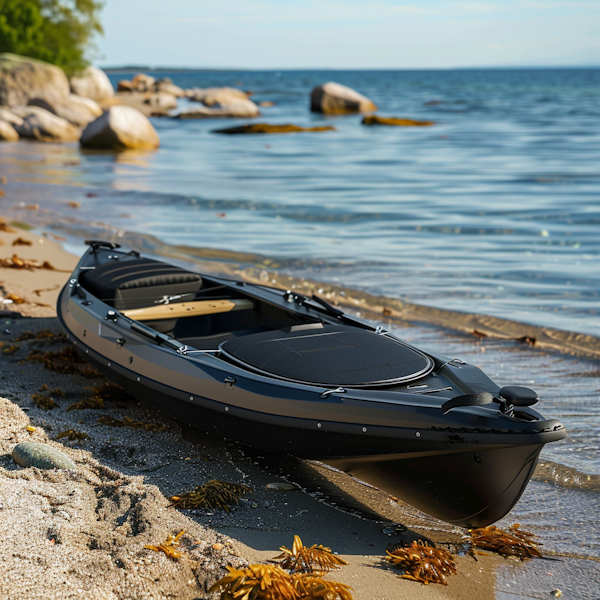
(57, 31)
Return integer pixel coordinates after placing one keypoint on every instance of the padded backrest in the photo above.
(139, 282)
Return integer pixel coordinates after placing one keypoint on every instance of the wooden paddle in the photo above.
(186, 309)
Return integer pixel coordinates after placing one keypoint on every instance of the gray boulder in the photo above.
(23, 78)
(334, 98)
(92, 83)
(41, 124)
(235, 109)
(120, 128)
(8, 132)
(77, 110)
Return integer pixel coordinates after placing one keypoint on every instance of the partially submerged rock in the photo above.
(92, 83)
(333, 98)
(239, 108)
(162, 101)
(394, 121)
(222, 95)
(168, 87)
(8, 132)
(40, 124)
(267, 128)
(41, 456)
(23, 78)
(77, 110)
(120, 128)
(142, 82)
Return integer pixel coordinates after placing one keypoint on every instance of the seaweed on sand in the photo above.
(111, 392)
(514, 542)
(10, 349)
(316, 559)
(214, 494)
(44, 334)
(271, 582)
(169, 546)
(127, 422)
(43, 402)
(423, 563)
(94, 403)
(16, 262)
(65, 361)
(72, 435)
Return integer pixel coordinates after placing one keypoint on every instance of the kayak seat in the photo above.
(139, 282)
(331, 355)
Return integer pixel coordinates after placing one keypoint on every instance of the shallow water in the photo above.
(494, 209)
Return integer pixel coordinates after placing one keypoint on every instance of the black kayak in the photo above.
(284, 372)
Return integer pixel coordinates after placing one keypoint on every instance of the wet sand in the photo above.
(82, 534)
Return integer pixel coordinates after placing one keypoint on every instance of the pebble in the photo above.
(282, 487)
(41, 456)
(218, 546)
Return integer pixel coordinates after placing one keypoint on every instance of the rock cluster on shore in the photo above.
(39, 102)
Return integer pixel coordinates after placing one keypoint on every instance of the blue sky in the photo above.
(349, 33)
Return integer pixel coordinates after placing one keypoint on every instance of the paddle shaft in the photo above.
(186, 309)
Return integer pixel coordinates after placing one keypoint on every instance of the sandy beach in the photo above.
(75, 534)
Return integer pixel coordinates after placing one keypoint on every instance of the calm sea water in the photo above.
(495, 209)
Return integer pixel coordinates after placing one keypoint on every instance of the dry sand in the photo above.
(81, 534)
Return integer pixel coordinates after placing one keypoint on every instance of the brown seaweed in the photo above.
(271, 582)
(43, 334)
(111, 392)
(10, 349)
(127, 422)
(16, 262)
(423, 563)
(94, 403)
(169, 546)
(6, 228)
(514, 542)
(301, 559)
(21, 242)
(43, 402)
(65, 361)
(215, 494)
(72, 435)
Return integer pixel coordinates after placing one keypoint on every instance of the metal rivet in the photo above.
(109, 364)
(364, 429)
(318, 424)
(191, 397)
(87, 351)
(74, 341)
(138, 379)
(226, 408)
(418, 434)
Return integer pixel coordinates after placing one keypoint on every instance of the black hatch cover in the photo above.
(330, 356)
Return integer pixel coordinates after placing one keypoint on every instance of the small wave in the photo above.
(566, 477)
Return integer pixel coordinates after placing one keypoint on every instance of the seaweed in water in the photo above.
(316, 559)
(169, 546)
(513, 542)
(423, 563)
(43, 402)
(72, 435)
(94, 403)
(127, 422)
(271, 582)
(214, 494)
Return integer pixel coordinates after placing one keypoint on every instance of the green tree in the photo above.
(57, 31)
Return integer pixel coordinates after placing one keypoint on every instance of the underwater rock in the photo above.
(266, 128)
(394, 121)
(333, 99)
(41, 456)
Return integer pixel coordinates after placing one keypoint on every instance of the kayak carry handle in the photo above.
(467, 400)
(96, 244)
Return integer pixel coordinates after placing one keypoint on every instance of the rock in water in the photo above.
(222, 96)
(394, 121)
(23, 78)
(41, 124)
(92, 83)
(267, 128)
(8, 133)
(41, 456)
(334, 99)
(120, 128)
